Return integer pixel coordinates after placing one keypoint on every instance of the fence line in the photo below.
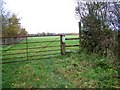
(29, 42)
(71, 38)
(30, 56)
(29, 48)
(30, 52)
(27, 60)
(9, 54)
(30, 36)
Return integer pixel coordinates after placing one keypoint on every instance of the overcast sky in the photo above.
(56, 16)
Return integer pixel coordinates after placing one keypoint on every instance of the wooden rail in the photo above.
(71, 38)
(11, 54)
(29, 53)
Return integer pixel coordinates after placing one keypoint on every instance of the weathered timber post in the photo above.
(79, 24)
(62, 44)
(26, 47)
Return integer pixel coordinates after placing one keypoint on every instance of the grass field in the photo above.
(34, 49)
(73, 70)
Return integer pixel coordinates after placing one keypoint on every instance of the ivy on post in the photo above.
(62, 44)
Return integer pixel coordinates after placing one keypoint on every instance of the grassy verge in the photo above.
(73, 70)
(69, 71)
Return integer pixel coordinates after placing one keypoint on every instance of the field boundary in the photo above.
(8, 57)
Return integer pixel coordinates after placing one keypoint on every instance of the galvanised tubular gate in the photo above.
(8, 54)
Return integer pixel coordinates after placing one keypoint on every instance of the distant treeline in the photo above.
(51, 34)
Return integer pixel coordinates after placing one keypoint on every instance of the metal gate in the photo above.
(30, 48)
(27, 48)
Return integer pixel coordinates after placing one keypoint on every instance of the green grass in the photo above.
(36, 52)
(73, 70)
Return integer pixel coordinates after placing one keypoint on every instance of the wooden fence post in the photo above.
(62, 44)
(79, 24)
(26, 47)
